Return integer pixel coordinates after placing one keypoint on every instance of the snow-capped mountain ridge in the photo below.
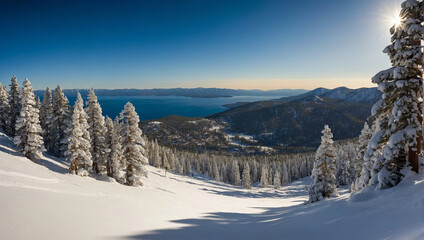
(360, 95)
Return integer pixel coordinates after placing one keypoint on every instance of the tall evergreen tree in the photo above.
(116, 161)
(46, 116)
(277, 179)
(358, 161)
(342, 171)
(285, 175)
(235, 173)
(27, 128)
(254, 170)
(215, 170)
(246, 176)
(165, 161)
(400, 111)
(363, 141)
(157, 161)
(133, 146)
(108, 145)
(78, 141)
(5, 123)
(371, 156)
(60, 121)
(187, 167)
(14, 102)
(324, 181)
(37, 102)
(264, 175)
(97, 130)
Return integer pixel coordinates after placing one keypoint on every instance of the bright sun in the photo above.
(396, 21)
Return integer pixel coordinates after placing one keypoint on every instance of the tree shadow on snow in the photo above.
(11, 152)
(270, 224)
(54, 164)
(246, 194)
(303, 221)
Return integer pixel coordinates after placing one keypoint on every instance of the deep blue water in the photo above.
(152, 107)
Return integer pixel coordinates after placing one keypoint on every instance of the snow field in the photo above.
(44, 201)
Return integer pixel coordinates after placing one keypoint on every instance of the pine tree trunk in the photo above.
(414, 155)
(110, 171)
(74, 168)
(95, 168)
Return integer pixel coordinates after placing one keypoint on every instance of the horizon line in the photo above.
(220, 88)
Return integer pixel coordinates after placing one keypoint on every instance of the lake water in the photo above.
(152, 107)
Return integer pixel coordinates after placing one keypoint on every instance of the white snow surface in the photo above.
(43, 201)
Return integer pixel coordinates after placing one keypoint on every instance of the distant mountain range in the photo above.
(360, 95)
(287, 124)
(298, 120)
(185, 92)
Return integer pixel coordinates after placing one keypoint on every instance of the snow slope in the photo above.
(43, 201)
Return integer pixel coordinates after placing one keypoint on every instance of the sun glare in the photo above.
(396, 20)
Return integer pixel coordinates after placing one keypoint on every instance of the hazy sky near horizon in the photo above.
(263, 44)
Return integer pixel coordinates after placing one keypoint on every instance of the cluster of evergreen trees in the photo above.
(396, 142)
(392, 146)
(245, 171)
(263, 171)
(337, 164)
(81, 135)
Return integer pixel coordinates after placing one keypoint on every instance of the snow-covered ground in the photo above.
(43, 201)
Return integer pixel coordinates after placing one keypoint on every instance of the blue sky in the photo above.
(264, 44)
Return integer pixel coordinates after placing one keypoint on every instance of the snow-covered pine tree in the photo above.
(180, 164)
(264, 175)
(157, 160)
(371, 155)
(215, 170)
(97, 130)
(254, 170)
(223, 174)
(116, 154)
(155, 155)
(5, 124)
(165, 163)
(78, 142)
(363, 141)
(358, 161)
(38, 102)
(60, 121)
(14, 103)
(108, 145)
(171, 161)
(28, 137)
(342, 171)
(235, 173)
(400, 110)
(46, 115)
(324, 181)
(285, 175)
(246, 182)
(115, 159)
(277, 179)
(187, 167)
(294, 171)
(132, 145)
